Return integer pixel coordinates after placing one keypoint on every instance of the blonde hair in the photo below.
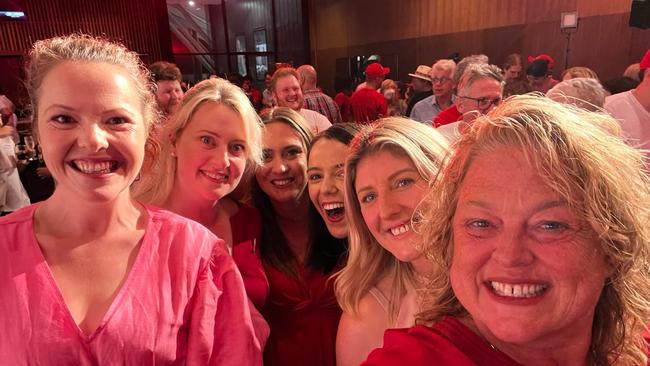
(579, 72)
(156, 185)
(368, 262)
(49, 53)
(600, 176)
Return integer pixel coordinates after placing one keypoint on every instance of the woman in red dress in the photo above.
(297, 250)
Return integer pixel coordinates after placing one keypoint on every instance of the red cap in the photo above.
(542, 56)
(645, 62)
(375, 70)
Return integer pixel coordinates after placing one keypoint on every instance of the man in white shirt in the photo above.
(632, 109)
(287, 92)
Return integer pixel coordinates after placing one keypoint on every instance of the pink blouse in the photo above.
(183, 302)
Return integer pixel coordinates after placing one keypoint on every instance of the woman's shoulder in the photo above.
(447, 342)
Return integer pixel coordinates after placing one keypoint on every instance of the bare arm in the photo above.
(358, 335)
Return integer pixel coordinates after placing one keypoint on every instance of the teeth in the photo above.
(281, 182)
(520, 290)
(90, 167)
(217, 176)
(400, 229)
(332, 206)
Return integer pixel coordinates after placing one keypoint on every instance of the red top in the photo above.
(303, 315)
(447, 116)
(368, 105)
(246, 226)
(343, 101)
(448, 342)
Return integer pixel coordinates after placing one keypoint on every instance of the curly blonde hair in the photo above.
(368, 262)
(600, 176)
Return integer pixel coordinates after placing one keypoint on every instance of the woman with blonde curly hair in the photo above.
(387, 173)
(539, 227)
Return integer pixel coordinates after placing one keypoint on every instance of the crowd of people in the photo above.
(495, 216)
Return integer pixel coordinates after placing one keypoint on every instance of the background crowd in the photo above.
(477, 215)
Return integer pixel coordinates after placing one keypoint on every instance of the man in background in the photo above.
(441, 85)
(314, 98)
(366, 103)
(286, 90)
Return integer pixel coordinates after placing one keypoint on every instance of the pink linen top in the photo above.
(183, 302)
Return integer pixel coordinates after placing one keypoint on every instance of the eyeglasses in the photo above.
(484, 102)
(440, 80)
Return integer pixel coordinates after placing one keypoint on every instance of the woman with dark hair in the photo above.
(325, 175)
(298, 252)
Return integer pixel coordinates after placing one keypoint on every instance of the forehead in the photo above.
(287, 81)
(217, 118)
(168, 84)
(327, 152)
(379, 166)
(485, 86)
(89, 84)
(436, 72)
(278, 135)
(504, 175)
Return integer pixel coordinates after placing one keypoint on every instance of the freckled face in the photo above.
(389, 188)
(526, 267)
(91, 129)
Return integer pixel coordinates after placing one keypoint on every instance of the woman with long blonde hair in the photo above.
(387, 173)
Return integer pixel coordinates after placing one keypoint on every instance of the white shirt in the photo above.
(634, 118)
(317, 122)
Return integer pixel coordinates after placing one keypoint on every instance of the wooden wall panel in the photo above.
(126, 20)
(141, 25)
(422, 31)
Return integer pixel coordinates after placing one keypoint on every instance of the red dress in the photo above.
(448, 342)
(303, 315)
(246, 227)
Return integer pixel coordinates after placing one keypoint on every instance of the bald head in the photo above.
(308, 78)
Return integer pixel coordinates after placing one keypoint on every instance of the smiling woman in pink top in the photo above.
(90, 276)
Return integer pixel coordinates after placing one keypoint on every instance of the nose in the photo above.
(277, 166)
(221, 158)
(513, 250)
(92, 137)
(388, 206)
(329, 185)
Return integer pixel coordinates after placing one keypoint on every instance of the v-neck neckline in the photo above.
(145, 247)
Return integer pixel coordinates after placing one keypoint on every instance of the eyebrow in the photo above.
(292, 147)
(337, 166)
(542, 206)
(108, 111)
(391, 177)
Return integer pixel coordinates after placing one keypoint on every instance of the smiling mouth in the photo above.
(518, 290)
(281, 183)
(399, 230)
(334, 211)
(92, 167)
(219, 177)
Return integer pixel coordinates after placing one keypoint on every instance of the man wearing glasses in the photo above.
(441, 84)
(479, 90)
